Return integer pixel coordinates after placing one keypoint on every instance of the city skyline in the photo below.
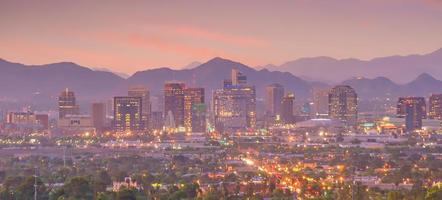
(260, 115)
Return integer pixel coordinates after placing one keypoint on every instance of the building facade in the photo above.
(174, 103)
(234, 106)
(320, 101)
(413, 109)
(343, 104)
(288, 102)
(194, 99)
(143, 92)
(273, 99)
(98, 115)
(67, 104)
(404, 101)
(435, 109)
(128, 114)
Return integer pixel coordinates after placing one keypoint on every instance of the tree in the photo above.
(26, 189)
(127, 194)
(78, 188)
(100, 181)
(434, 193)
(395, 195)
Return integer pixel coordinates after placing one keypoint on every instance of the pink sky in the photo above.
(137, 35)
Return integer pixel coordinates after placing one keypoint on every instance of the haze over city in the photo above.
(221, 100)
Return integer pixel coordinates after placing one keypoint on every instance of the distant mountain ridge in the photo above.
(44, 82)
(400, 69)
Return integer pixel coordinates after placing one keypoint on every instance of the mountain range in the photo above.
(36, 83)
(400, 69)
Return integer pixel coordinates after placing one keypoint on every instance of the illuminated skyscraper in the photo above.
(142, 92)
(414, 109)
(274, 95)
(234, 106)
(127, 113)
(320, 101)
(404, 101)
(174, 102)
(343, 104)
(98, 115)
(193, 97)
(67, 104)
(287, 108)
(435, 111)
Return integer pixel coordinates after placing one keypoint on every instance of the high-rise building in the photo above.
(143, 92)
(435, 111)
(127, 113)
(98, 115)
(174, 103)
(320, 101)
(157, 120)
(199, 117)
(404, 101)
(234, 106)
(193, 96)
(67, 104)
(288, 102)
(274, 95)
(343, 104)
(414, 109)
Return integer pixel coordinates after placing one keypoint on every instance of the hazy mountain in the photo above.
(23, 82)
(41, 83)
(400, 69)
(422, 85)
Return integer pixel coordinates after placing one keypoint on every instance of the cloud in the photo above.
(235, 40)
(165, 45)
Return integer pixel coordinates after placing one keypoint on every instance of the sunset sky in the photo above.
(128, 36)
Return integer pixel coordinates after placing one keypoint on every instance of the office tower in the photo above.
(98, 115)
(404, 101)
(143, 92)
(287, 108)
(435, 111)
(127, 113)
(157, 120)
(343, 104)
(414, 110)
(234, 106)
(320, 101)
(67, 104)
(274, 95)
(193, 96)
(174, 103)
